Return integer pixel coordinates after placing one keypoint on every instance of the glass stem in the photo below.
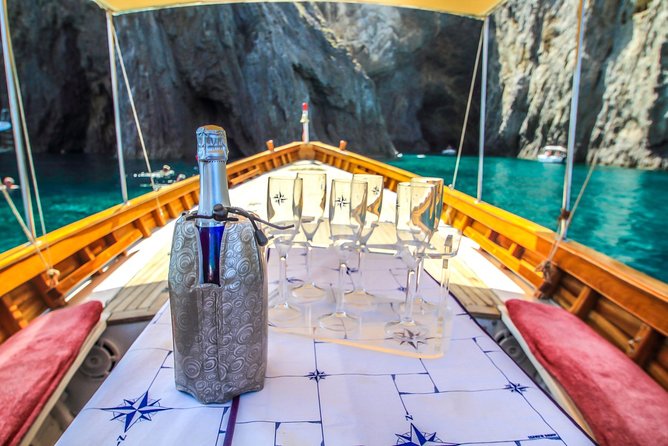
(338, 296)
(407, 316)
(445, 284)
(309, 256)
(418, 274)
(283, 281)
(360, 259)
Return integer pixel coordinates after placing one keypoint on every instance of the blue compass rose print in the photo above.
(132, 411)
(515, 387)
(341, 202)
(316, 375)
(415, 437)
(279, 198)
(411, 338)
(375, 190)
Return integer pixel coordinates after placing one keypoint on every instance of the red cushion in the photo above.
(34, 360)
(619, 401)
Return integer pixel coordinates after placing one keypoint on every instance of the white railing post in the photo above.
(24, 179)
(575, 91)
(117, 112)
(483, 100)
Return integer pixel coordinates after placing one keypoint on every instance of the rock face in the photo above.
(247, 67)
(421, 64)
(623, 101)
(381, 78)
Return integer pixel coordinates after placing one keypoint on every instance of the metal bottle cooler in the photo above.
(220, 332)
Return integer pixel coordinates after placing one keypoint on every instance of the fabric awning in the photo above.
(471, 8)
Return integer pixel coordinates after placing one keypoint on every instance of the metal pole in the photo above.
(483, 100)
(117, 112)
(575, 90)
(16, 120)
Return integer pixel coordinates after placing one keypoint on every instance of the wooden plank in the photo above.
(608, 330)
(584, 303)
(658, 373)
(468, 288)
(623, 320)
(88, 268)
(144, 293)
(644, 345)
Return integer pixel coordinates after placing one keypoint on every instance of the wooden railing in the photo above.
(627, 307)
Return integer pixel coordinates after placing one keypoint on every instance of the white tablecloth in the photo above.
(319, 393)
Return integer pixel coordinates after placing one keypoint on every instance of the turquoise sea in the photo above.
(622, 213)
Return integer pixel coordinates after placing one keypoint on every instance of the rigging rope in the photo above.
(134, 109)
(31, 165)
(546, 265)
(560, 238)
(468, 108)
(136, 118)
(51, 272)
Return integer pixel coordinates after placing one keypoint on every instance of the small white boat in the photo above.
(449, 151)
(552, 154)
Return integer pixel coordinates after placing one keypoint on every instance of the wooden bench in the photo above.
(594, 381)
(37, 363)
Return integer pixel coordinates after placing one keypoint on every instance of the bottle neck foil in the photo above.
(213, 189)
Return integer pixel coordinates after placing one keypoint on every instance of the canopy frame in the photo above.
(117, 111)
(572, 124)
(17, 123)
(475, 9)
(483, 107)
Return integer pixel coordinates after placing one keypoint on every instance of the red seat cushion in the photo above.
(619, 401)
(34, 360)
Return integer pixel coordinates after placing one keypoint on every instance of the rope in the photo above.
(466, 115)
(136, 117)
(548, 261)
(51, 272)
(31, 164)
(132, 105)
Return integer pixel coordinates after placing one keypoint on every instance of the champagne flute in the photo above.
(347, 213)
(284, 205)
(415, 226)
(360, 297)
(315, 196)
(421, 305)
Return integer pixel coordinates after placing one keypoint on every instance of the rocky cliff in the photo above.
(382, 78)
(623, 110)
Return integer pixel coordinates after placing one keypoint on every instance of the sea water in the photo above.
(622, 214)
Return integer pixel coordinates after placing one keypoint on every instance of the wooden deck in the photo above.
(628, 308)
(144, 294)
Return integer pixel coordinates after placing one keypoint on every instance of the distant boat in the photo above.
(160, 178)
(449, 152)
(552, 154)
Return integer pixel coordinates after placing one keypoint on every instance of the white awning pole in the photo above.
(117, 112)
(575, 91)
(16, 121)
(483, 100)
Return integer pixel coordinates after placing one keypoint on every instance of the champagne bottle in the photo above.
(212, 153)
